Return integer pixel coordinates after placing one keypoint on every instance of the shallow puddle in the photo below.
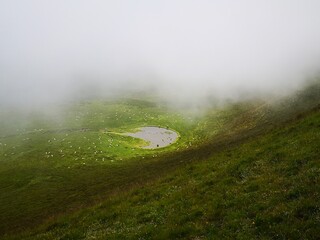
(156, 137)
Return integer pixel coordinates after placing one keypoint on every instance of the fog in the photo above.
(56, 51)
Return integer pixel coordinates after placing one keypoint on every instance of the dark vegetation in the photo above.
(247, 171)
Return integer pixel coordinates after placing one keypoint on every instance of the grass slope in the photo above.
(50, 167)
(265, 188)
(222, 179)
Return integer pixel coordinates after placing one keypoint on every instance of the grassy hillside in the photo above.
(248, 170)
(266, 188)
(53, 166)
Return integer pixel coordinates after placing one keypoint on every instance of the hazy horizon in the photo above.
(53, 51)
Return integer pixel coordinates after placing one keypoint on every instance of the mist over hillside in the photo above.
(172, 119)
(56, 51)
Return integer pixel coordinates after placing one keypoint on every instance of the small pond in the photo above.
(157, 137)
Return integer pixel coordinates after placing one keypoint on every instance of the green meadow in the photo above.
(245, 170)
(50, 166)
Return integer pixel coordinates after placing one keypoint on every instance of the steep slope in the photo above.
(258, 183)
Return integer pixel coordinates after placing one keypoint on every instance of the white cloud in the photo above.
(50, 48)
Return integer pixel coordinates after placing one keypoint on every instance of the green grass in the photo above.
(226, 177)
(49, 167)
(264, 188)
